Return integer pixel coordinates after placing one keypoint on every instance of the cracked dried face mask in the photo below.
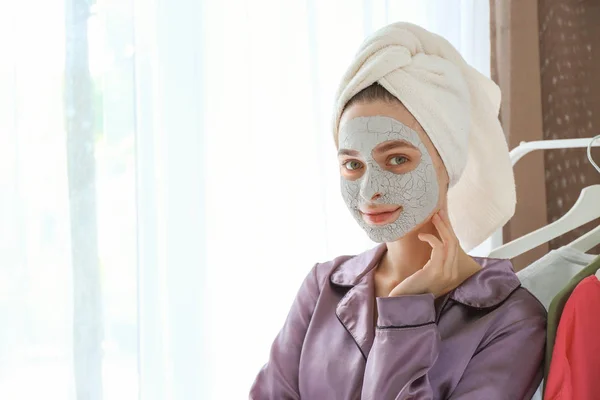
(387, 190)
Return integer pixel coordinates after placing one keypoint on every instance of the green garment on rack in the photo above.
(556, 308)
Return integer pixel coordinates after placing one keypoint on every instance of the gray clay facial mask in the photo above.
(416, 191)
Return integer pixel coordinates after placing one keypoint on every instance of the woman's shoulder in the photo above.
(347, 270)
(322, 271)
(522, 305)
(502, 289)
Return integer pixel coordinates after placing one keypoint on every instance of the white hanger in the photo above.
(587, 241)
(591, 239)
(525, 148)
(585, 209)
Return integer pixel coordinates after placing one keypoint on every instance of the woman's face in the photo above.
(392, 178)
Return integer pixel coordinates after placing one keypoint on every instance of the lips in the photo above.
(380, 215)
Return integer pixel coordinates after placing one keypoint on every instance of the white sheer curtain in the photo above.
(167, 179)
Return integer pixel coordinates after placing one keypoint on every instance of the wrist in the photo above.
(405, 310)
(397, 292)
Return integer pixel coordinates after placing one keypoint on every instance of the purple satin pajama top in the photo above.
(483, 341)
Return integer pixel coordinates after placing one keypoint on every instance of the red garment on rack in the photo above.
(574, 372)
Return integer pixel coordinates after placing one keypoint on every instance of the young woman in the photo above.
(416, 317)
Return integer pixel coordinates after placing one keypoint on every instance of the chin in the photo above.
(393, 231)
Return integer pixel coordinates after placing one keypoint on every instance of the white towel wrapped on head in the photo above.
(457, 107)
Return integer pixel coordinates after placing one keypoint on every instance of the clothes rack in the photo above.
(525, 148)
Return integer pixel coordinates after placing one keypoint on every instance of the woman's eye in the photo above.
(352, 165)
(398, 160)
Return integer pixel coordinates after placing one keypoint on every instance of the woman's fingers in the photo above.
(433, 241)
(441, 227)
(444, 235)
(442, 224)
(437, 252)
(446, 219)
(453, 238)
(450, 265)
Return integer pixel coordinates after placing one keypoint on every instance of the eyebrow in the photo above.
(348, 152)
(393, 145)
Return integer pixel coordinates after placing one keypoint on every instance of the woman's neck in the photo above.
(406, 255)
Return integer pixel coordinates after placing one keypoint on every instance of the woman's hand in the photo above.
(441, 273)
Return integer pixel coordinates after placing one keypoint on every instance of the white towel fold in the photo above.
(458, 108)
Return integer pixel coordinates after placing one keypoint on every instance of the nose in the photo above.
(369, 189)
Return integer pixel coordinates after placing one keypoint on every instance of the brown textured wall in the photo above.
(569, 49)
